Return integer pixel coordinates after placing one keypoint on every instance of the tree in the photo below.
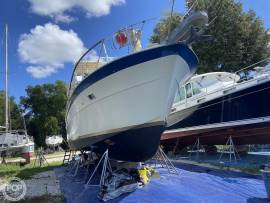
(46, 105)
(166, 24)
(51, 126)
(239, 38)
(15, 117)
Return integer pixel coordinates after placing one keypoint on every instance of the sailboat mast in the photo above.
(6, 83)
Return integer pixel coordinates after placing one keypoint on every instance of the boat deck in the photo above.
(193, 184)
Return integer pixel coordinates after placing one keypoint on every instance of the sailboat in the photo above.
(13, 141)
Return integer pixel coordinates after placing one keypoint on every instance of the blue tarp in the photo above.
(193, 184)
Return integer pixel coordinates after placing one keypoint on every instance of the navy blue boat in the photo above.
(221, 101)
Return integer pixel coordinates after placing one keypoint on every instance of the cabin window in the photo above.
(180, 95)
(196, 88)
(177, 97)
(188, 90)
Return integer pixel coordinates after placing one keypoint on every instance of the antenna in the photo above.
(6, 81)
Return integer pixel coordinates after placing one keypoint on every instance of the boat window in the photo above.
(177, 97)
(196, 89)
(188, 90)
(180, 95)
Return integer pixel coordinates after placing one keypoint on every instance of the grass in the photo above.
(25, 172)
(44, 199)
(251, 170)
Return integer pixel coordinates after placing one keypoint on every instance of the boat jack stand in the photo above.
(106, 168)
(230, 148)
(76, 165)
(40, 158)
(165, 162)
(196, 148)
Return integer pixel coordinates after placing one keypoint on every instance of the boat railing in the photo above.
(128, 40)
(251, 71)
(125, 41)
(245, 74)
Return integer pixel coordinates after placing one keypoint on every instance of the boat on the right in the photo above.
(218, 105)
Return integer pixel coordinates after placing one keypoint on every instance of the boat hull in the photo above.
(127, 145)
(249, 103)
(242, 114)
(129, 106)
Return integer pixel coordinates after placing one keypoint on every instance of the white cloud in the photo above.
(57, 9)
(64, 18)
(46, 48)
(42, 71)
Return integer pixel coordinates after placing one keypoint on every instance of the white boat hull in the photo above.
(136, 97)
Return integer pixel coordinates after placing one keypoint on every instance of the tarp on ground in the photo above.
(192, 185)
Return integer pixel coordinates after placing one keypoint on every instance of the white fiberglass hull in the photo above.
(136, 97)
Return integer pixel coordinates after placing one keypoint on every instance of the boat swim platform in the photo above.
(255, 133)
(192, 184)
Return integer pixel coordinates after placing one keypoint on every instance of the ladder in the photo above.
(66, 157)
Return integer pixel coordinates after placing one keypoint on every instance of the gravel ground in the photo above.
(42, 184)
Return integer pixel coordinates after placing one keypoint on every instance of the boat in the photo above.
(214, 106)
(13, 141)
(122, 103)
(54, 141)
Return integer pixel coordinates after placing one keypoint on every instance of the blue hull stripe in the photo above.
(140, 57)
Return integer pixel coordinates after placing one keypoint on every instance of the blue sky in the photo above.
(91, 21)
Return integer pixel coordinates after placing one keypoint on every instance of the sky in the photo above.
(46, 37)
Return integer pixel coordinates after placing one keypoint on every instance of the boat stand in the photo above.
(71, 161)
(40, 158)
(3, 156)
(75, 165)
(106, 169)
(163, 160)
(196, 148)
(231, 150)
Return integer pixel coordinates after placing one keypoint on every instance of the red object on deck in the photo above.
(121, 38)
